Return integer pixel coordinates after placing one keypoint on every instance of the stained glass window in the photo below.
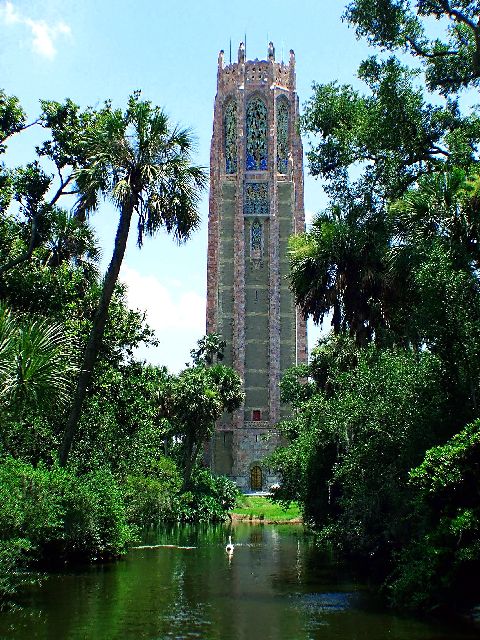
(282, 135)
(230, 127)
(257, 128)
(256, 239)
(256, 201)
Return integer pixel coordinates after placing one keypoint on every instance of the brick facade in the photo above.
(248, 299)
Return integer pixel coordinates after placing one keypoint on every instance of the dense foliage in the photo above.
(132, 458)
(382, 450)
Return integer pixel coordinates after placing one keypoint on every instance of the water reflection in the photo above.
(275, 585)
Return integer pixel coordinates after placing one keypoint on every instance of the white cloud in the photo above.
(175, 314)
(44, 35)
(309, 215)
(9, 13)
(166, 307)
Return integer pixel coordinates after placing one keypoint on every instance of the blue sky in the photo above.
(91, 51)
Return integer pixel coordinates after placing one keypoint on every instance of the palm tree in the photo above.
(210, 349)
(144, 167)
(72, 240)
(444, 206)
(337, 267)
(35, 365)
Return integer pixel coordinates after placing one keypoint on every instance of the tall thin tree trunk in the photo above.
(336, 317)
(192, 449)
(97, 331)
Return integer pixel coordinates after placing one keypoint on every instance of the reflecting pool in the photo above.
(180, 583)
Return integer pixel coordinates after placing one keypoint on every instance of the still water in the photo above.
(275, 586)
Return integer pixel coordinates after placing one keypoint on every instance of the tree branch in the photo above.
(461, 17)
(458, 15)
(429, 54)
(435, 149)
(27, 126)
(60, 190)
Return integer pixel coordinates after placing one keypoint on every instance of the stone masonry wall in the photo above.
(248, 299)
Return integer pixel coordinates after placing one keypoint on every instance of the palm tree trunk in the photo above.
(97, 331)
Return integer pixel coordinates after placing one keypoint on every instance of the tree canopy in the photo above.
(381, 446)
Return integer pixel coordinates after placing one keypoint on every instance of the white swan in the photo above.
(229, 548)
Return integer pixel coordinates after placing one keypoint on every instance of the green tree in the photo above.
(35, 192)
(143, 166)
(370, 149)
(434, 250)
(210, 349)
(441, 562)
(71, 240)
(34, 363)
(386, 138)
(354, 439)
(452, 62)
(339, 266)
(12, 117)
(195, 401)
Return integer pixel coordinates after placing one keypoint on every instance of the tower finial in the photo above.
(241, 53)
(220, 59)
(271, 51)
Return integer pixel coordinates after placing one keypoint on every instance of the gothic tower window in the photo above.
(282, 135)
(230, 129)
(257, 129)
(256, 239)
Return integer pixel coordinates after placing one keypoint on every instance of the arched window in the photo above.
(282, 134)
(256, 238)
(257, 129)
(256, 480)
(230, 133)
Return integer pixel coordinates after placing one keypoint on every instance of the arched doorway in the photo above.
(256, 479)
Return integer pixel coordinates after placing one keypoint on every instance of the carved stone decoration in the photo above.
(282, 134)
(256, 201)
(230, 129)
(257, 129)
(256, 239)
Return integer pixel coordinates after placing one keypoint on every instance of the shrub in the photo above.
(152, 498)
(50, 514)
(95, 523)
(441, 563)
(12, 559)
(208, 500)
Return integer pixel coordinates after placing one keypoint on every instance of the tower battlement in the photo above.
(256, 72)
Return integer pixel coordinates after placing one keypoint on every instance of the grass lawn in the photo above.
(262, 508)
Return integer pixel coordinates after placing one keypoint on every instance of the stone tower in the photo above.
(256, 203)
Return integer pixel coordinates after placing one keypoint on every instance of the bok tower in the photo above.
(256, 203)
